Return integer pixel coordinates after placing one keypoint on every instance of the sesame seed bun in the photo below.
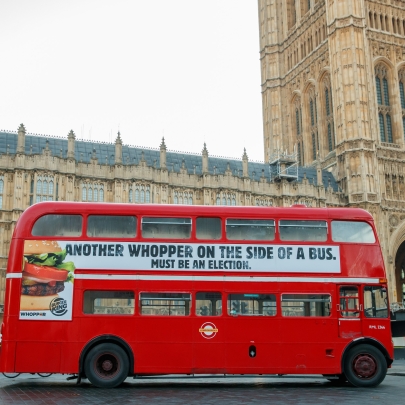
(37, 247)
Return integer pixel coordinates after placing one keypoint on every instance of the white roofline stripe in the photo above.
(227, 279)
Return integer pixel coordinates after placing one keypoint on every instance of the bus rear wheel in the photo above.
(106, 365)
(365, 366)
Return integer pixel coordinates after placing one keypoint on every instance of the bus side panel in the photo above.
(360, 260)
(42, 357)
(7, 357)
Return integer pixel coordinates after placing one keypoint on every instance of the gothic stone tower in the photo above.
(333, 77)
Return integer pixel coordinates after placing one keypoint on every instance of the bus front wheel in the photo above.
(365, 366)
(106, 365)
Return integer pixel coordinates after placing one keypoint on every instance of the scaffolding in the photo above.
(283, 166)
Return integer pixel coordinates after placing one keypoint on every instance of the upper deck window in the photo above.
(316, 231)
(352, 231)
(250, 229)
(166, 228)
(111, 226)
(208, 228)
(58, 225)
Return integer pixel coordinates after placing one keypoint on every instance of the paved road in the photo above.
(32, 389)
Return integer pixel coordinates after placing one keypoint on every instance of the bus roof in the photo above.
(31, 214)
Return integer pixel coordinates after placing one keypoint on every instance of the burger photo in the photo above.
(44, 274)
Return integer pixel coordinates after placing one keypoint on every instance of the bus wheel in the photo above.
(106, 365)
(365, 366)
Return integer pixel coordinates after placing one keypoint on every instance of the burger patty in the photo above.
(42, 289)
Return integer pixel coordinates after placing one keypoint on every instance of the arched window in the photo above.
(142, 194)
(218, 200)
(176, 198)
(313, 115)
(401, 75)
(84, 193)
(137, 195)
(330, 136)
(383, 101)
(44, 188)
(130, 195)
(101, 195)
(90, 194)
(233, 200)
(147, 194)
(95, 194)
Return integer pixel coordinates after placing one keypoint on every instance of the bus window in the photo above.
(351, 231)
(349, 301)
(111, 226)
(375, 302)
(303, 230)
(167, 304)
(252, 304)
(166, 228)
(250, 229)
(109, 302)
(208, 304)
(305, 304)
(208, 228)
(58, 225)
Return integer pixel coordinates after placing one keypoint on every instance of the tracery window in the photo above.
(383, 101)
(183, 197)
(142, 194)
(314, 122)
(330, 135)
(298, 128)
(225, 198)
(44, 188)
(92, 192)
(401, 76)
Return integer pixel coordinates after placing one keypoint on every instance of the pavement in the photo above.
(210, 390)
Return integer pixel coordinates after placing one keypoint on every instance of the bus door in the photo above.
(349, 312)
(208, 333)
(252, 333)
(163, 333)
(376, 320)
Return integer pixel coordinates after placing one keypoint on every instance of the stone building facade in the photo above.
(37, 168)
(333, 78)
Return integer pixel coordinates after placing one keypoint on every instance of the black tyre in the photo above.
(365, 366)
(106, 365)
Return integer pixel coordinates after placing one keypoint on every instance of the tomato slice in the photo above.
(45, 272)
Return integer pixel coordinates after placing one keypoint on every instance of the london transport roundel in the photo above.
(208, 330)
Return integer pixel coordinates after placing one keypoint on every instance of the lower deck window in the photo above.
(306, 304)
(208, 304)
(252, 304)
(165, 304)
(108, 302)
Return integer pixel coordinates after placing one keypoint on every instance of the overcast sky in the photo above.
(187, 70)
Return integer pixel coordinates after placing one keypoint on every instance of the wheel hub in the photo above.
(107, 365)
(365, 366)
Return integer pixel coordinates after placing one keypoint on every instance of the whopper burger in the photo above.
(44, 274)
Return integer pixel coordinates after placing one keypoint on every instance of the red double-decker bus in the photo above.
(107, 291)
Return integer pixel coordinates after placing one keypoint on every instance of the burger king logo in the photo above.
(58, 306)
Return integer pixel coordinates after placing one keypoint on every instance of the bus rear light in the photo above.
(382, 281)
